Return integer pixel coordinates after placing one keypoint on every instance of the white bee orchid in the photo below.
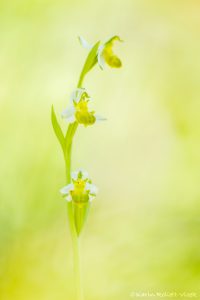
(81, 189)
(105, 54)
(79, 109)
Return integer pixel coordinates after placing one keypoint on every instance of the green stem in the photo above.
(67, 155)
(80, 82)
(75, 238)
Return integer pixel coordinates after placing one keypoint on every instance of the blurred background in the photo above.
(143, 230)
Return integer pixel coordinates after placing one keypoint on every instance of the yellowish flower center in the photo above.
(82, 105)
(83, 116)
(79, 194)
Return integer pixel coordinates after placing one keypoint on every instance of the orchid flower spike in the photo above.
(79, 110)
(105, 54)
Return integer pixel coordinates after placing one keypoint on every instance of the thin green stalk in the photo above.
(67, 155)
(80, 82)
(75, 239)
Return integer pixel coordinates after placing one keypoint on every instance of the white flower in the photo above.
(105, 54)
(79, 110)
(81, 190)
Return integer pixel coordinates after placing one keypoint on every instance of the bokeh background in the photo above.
(143, 230)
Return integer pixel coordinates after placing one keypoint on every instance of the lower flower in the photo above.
(80, 192)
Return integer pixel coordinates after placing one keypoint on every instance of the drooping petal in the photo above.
(67, 189)
(68, 112)
(71, 120)
(68, 198)
(93, 190)
(91, 197)
(99, 118)
(84, 43)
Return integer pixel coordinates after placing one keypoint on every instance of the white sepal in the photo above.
(91, 197)
(76, 95)
(84, 173)
(93, 190)
(68, 198)
(84, 43)
(68, 112)
(67, 189)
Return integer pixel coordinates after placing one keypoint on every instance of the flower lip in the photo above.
(81, 189)
(106, 55)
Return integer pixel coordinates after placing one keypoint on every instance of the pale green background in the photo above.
(143, 232)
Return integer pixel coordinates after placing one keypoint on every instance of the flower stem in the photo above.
(75, 239)
(80, 82)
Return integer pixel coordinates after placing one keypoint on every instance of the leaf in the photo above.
(57, 129)
(90, 61)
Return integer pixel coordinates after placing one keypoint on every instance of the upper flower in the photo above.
(105, 52)
(81, 190)
(79, 110)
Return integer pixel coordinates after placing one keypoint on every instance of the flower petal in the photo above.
(91, 188)
(68, 112)
(99, 118)
(76, 94)
(68, 198)
(72, 119)
(85, 174)
(66, 189)
(91, 198)
(84, 43)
